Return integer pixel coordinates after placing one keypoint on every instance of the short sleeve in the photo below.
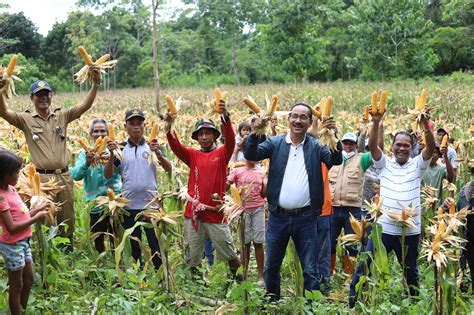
(72, 113)
(366, 161)
(18, 120)
(380, 164)
(232, 176)
(421, 164)
(4, 205)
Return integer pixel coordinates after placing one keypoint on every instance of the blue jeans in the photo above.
(303, 231)
(394, 242)
(209, 251)
(323, 252)
(340, 220)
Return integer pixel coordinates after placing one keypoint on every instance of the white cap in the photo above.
(349, 136)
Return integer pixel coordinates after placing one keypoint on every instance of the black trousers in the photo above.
(128, 222)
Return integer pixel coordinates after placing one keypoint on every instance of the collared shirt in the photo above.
(138, 175)
(295, 187)
(95, 183)
(49, 151)
(400, 188)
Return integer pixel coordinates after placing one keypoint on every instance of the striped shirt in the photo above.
(400, 188)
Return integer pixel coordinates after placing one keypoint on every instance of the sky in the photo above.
(44, 13)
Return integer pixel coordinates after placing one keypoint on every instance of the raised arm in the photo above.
(229, 136)
(256, 150)
(451, 175)
(180, 150)
(164, 162)
(430, 141)
(375, 151)
(109, 168)
(86, 104)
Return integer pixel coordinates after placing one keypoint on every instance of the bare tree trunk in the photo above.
(234, 57)
(156, 74)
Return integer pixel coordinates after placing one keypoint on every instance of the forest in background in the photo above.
(210, 42)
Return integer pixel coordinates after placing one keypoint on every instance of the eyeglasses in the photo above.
(295, 116)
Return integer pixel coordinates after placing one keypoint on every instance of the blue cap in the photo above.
(38, 86)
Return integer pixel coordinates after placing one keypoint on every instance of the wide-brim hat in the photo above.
(205, 123)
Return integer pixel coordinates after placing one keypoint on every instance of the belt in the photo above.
(293, 212)
(56, 171)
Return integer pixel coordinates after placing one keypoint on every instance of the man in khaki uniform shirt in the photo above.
(45, 132)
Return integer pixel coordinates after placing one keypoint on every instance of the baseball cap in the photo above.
(349, 136)
(204, 123)
(443, 129)
(134, 112)
(39, 86)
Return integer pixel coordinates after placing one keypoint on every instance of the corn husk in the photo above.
(430, 197)
(52, 208)
(113, 204)
(10, 76)
(375, 207)
(86, 72)
(405, 217)
(158, 215)
(421, 110)
(327, 136)
(359, 228)
(29, 185)
(233, 202)
(265, 115)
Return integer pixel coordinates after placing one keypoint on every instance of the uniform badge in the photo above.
(146, 155)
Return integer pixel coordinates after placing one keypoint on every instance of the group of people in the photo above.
(307, 194)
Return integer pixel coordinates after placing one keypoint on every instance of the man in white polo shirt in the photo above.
(400, 182)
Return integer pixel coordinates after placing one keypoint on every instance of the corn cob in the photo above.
(315, 111)
(102, 145)
(224, 95)
(452, 208)
(366, 112)
(383, 102)
(417, 102)
(373, 102)
(11, 65)
(37, 186)
(154, 132)
(172, 108)
(31, 170)
(84, 145)
(251, 104)
(110, 194)
(217, 100)
(111, 133)
(271, 109)
(423, 99)
(444, 142)
(102, 59)
(327, 107)
(85, 56)
(423, 138)
(97, 143)
(234, 191)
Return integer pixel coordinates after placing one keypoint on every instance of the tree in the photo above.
(19, 35)
(454, 49)
(391, 37)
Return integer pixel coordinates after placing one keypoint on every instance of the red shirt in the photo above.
(207, 172)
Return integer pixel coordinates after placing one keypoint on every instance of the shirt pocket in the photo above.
(354, 185)
(37, 133)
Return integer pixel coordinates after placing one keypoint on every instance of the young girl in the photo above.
(254, 209)
(244, 131)
(15, 221)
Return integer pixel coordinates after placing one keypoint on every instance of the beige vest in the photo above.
(346, 182)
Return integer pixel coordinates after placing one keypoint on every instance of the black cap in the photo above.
(134, 112)
(205, 123)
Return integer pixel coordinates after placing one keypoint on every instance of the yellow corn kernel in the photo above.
(452, 208)
(373, 102)
(383, 102)
(110, 194)
(423, 99)
(102, 145)
(111, 133)
(84, 144)
(102, 59)
(11, 65)
(217, 100)
(172, 108)
(328, 106)
(97, 143)
(235, 194)
(366, 112)
(85, 56)
(154, 131)
(444, 142)
(315, 111)
(37, 186)
(271, 109)
(251, 104)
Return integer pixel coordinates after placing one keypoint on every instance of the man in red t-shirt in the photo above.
(207, 177)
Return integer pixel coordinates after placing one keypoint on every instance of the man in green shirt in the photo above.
(436, 172)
